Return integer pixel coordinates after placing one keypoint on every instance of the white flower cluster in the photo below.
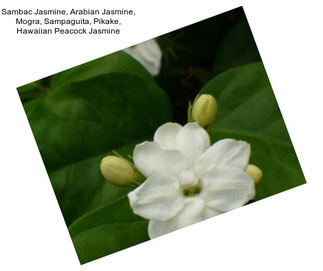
(187, 179)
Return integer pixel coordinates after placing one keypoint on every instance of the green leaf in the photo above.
(32, 91)
(107, 229)
(33, 86)
(86, 118)
(118, 62)
(236, 48)
(248, 111)
(108, 213)
(109, 238)
(89, 111)
(98, 214)
(80, 187)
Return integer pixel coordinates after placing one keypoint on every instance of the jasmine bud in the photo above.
(118, 170)
(205, 110)
(255, 173)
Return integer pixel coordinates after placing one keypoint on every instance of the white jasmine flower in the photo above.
(187, 179)
(148, 54)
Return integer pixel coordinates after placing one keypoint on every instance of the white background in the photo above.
(283, 232)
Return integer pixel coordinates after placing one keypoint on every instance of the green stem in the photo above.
(189, 112)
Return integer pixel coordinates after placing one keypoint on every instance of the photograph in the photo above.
(161, 135)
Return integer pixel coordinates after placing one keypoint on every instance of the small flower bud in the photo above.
(255, 173)
(204, 110)
(118, 170)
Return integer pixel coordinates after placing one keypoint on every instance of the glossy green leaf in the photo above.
(87, 112)
(107, 229)
(109, 238)
(248, 111)
(80, 187)
(107, 213)
(90, 117)
(118, 62)
(98, 214)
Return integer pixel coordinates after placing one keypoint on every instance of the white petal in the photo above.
(150, 159)
(210, 212)
(187, 178)
(226, 152)
(192, 141)
(227, 188)
(148, 54)
(157, 198)
(190, 214)
(166, 135)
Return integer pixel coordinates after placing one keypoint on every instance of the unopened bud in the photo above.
(118, 170)
(204, 110)
(255, 173)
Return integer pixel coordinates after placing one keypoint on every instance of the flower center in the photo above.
(191, 191)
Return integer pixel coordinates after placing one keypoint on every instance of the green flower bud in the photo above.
(204, 110)
(255, 173)
(118, 170)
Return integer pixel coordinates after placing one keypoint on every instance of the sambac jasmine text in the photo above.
(31, 12)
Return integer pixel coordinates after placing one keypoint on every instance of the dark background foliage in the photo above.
(195, 54)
